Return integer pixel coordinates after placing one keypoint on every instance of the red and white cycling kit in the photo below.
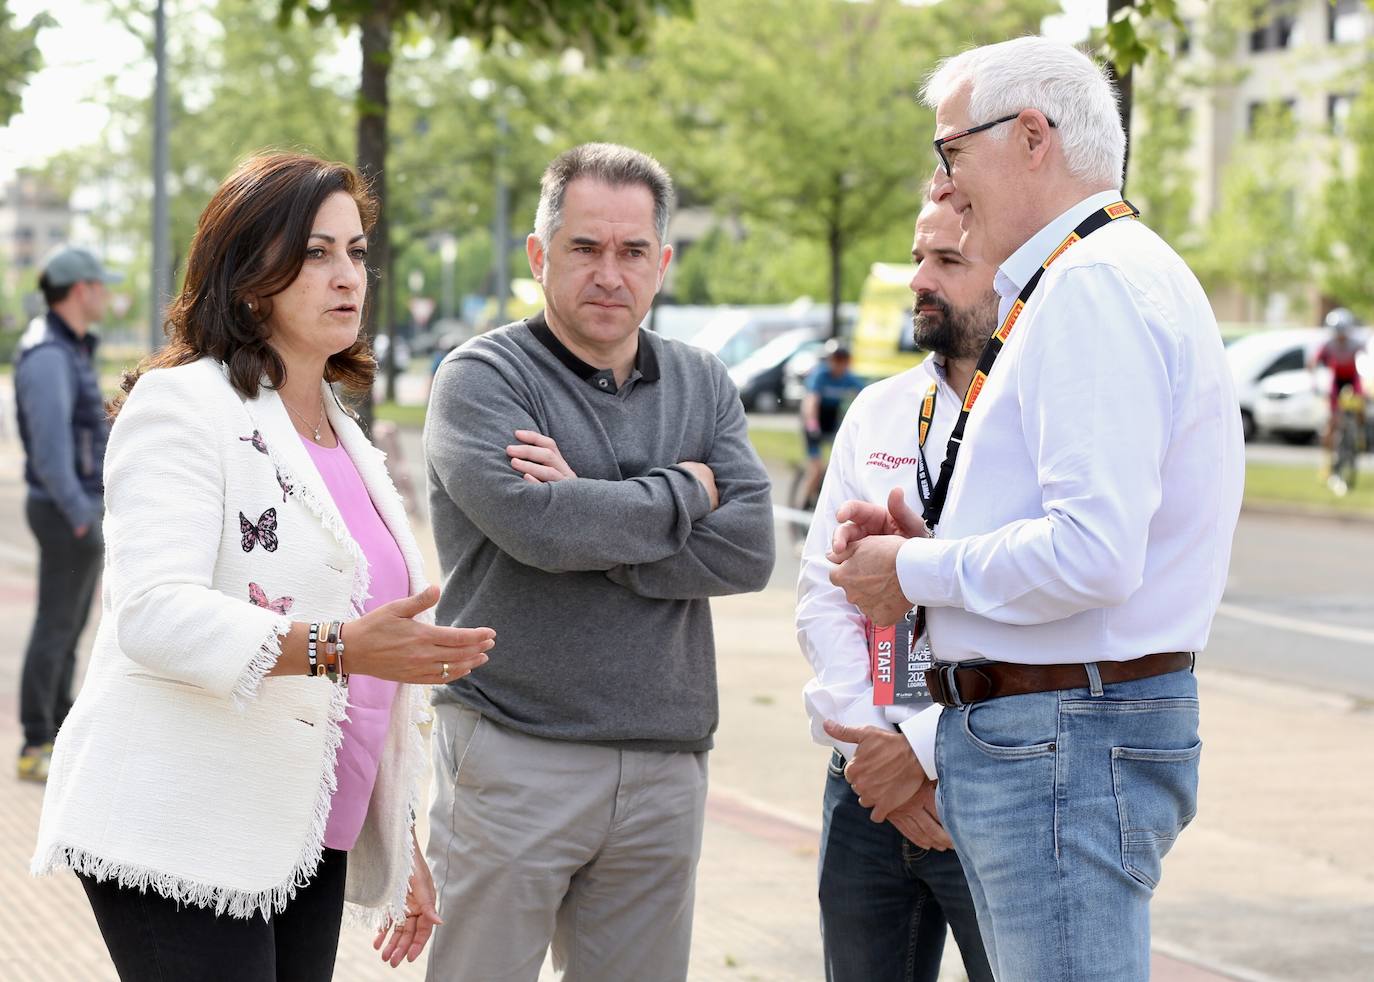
(1339, 356)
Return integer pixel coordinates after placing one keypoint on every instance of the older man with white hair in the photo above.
(1082, 540)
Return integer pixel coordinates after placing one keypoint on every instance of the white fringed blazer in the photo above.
(183, 767)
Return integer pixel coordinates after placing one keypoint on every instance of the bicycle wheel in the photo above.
(1345, 464)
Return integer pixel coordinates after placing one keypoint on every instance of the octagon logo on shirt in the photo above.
(889, 462)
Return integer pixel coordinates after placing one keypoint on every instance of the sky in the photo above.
(88, 48)
(78, 55)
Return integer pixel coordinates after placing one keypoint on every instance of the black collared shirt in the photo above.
(645, 370)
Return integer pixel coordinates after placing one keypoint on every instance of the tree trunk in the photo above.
(392, 313)
(1124, 91)
(372, 112)
(835, 241)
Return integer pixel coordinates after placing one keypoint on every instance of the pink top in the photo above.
(369, 699)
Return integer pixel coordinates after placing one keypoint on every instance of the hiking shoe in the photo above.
(34, 762)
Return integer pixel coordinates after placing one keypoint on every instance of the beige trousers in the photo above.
(536, 841)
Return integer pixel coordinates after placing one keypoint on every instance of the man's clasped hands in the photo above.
(883, 770)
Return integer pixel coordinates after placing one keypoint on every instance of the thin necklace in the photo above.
(314, 429)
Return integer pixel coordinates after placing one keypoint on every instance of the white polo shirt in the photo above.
(1093, 505)
(874, 452)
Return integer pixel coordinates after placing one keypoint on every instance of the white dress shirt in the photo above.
(874, 452)
(1093, 504)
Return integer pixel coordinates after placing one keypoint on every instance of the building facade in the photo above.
(34, 218)
(1297, 59)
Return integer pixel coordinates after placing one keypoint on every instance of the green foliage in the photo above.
(460, 117)
(1344, 237)
(1133, 32)
(596, 27)
(765, 265)
(1254, 237)
(798, 118)
(236, 89)
(19, 58)
(801, 117)
(1161, 181)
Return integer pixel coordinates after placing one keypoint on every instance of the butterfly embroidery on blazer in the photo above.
(264, 532)
(258, 598)
(286, 486)
(259, 444)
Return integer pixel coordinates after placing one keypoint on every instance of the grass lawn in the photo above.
(1283, 485)
(413, 416)
(779, 446)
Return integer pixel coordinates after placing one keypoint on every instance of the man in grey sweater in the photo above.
(591, 485)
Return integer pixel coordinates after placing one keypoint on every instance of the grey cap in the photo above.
(66, 265)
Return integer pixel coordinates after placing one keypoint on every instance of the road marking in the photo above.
(1297, 625)
(803, 824)
(1188, 965)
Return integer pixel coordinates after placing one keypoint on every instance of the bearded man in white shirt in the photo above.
(890, 883)
(1082, 549)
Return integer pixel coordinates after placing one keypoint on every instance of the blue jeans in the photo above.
(885, 901)
(1062, 806)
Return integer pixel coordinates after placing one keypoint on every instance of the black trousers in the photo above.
(68, 569)
(153, 939)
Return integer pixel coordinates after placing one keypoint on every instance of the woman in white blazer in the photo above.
(244, 756)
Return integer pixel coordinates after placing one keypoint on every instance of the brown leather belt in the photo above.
(957, 684)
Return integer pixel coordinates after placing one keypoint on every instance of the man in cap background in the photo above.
(62, 424)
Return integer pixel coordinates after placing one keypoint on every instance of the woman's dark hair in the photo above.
(249, 245)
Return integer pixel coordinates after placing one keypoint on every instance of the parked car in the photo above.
(1262, 355)
(759, 377)
(1294, 402)
(737, 332)
(681, 322)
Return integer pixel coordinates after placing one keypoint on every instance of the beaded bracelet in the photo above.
(331, 652)
(343, 675)
(311, 651)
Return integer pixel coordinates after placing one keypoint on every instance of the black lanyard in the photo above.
(934, 499)
(923, 485)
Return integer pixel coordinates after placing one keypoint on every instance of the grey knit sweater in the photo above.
(597, 587)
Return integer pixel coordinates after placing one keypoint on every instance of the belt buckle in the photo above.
(951, 684)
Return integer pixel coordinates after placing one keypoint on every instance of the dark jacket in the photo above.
(62, 419)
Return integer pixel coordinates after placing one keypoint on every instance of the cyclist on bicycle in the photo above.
(1338, 354)
(829, 389)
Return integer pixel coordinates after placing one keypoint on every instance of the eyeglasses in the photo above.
(940, 143)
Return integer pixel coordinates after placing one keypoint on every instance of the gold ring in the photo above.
(444, 673)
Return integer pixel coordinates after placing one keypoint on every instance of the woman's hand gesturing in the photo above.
(388, 643)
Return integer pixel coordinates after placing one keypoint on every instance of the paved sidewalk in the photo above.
(1280, 849)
